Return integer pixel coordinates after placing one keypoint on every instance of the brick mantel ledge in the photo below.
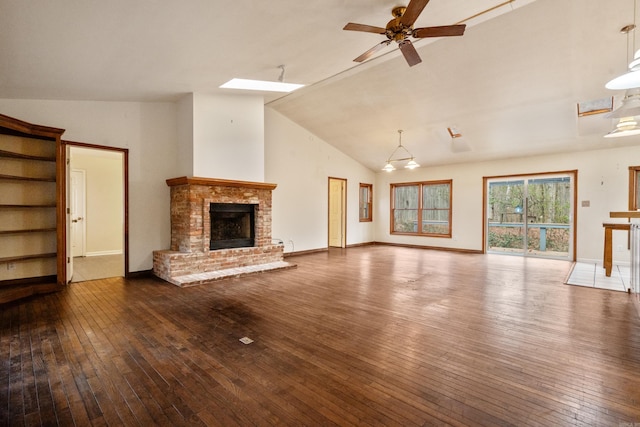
(183, 180)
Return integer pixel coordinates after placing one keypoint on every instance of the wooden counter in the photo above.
(625, 214)
(608, 245)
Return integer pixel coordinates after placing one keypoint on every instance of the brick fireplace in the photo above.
(190, 259)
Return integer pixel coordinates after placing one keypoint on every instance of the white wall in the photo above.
(104, 200)
(603, 180)
(228, 137)
(148, 130)
(185, 135)
(301, 164)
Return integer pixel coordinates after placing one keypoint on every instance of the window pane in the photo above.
(365, 202)
(435, 221)
(435, 196)
(406, 197)
(405, 220)
(364, 212)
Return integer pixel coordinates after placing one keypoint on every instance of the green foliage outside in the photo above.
(546, 202)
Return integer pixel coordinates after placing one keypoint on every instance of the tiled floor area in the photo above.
(592, 275)
(97, 267)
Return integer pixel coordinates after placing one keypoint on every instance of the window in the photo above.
(428, 201)
(366, 191)
(634, 188)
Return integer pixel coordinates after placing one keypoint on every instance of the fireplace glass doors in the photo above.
(232, 225)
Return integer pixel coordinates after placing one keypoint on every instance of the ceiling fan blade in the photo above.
(366, 28)
(409, 52)
(371, 51)
(414, 8)
(444, 31)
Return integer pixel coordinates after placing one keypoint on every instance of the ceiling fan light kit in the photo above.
(400, 30)
(411, 162)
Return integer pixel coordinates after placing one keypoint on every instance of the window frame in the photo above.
(369, 202)
(633, 188)
(420, 208)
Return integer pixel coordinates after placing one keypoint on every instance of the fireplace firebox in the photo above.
(232, 225)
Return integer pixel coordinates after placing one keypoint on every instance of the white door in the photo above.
(78, 212)
(337, 212)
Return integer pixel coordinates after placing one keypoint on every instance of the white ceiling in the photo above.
(510, 85)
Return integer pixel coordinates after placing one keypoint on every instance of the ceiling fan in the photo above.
(400, 28)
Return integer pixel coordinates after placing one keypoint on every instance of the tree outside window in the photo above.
(428, 201)
(366, 197)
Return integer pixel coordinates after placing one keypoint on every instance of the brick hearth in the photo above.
(189, 261)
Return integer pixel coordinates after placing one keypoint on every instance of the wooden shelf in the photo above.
(625, 214)
(27, 257)
(30, 230)
(27, 178)
(52, 205)
(11, 154)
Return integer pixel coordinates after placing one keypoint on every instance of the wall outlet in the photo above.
(11, 266)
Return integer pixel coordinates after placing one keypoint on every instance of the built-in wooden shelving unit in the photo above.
(32, 213)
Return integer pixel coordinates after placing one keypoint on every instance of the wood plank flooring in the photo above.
(367, 336)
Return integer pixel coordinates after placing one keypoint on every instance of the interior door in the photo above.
(337, 212)
(78, 213)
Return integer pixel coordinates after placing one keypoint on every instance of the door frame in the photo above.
(343, 212)
(125, 171)
(83, 174)
(574, 211)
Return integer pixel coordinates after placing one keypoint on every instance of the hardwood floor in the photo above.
(366, 336)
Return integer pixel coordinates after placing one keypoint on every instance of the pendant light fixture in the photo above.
(411, 163)
(631, 78)
(629, 112)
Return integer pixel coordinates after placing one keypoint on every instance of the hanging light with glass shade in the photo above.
(411, 163)
(628, 114)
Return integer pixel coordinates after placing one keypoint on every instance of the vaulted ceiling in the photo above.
(510, 85)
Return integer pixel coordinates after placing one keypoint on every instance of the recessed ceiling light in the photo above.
(261, 85)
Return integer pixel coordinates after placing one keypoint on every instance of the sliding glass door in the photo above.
(531, 215)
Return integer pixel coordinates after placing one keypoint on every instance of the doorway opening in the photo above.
(531, 215)
(337, 213)
(97, 238)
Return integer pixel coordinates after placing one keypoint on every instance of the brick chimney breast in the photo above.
(189, 252)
